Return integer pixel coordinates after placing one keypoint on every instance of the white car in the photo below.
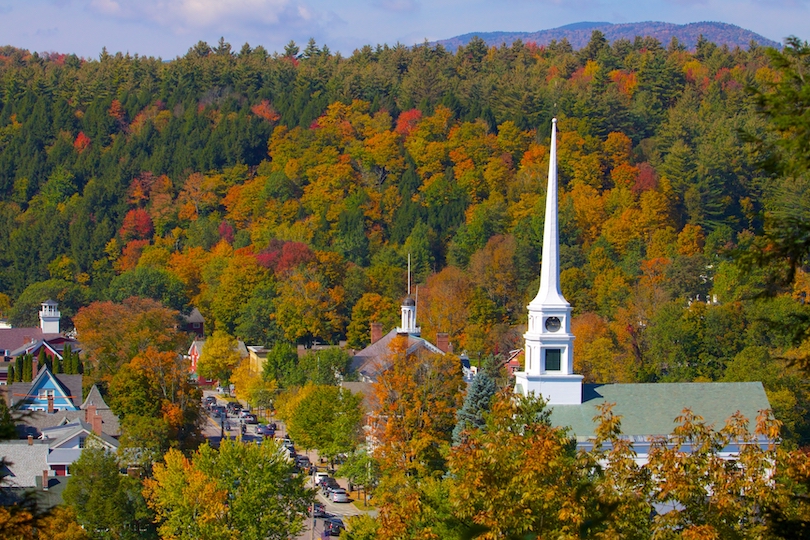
(320, 475)
(339, 495)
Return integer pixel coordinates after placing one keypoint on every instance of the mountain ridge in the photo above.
(578, 34)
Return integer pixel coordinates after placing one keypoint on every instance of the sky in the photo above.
(168, 28)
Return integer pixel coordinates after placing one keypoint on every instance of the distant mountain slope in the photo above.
(578, 34)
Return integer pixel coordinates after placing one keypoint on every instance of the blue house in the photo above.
(47, 392)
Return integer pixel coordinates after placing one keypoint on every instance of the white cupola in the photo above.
(408, 311)
(549, 344)
(49, 317)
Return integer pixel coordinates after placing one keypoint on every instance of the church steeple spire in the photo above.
(549, 293)
(549, 344)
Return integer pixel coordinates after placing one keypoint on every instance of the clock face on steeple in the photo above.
(553, 324)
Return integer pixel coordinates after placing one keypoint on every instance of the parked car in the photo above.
(250, 419)
(234, 407)
(319, 511)
(302, 462)
(328, 485)
(332, 526)
(339, 495)
(218, 411)
(320, 476)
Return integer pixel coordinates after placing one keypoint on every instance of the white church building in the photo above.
(647, 410)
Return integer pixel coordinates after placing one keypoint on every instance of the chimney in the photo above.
(34, 368)
(443, 342)
(97, 425)
(376, 332)
(30, 440)
(89, 413)
(50, 404)
(45, 480)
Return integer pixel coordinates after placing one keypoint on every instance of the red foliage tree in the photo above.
(407, 121)
(647, 178)
(265, 111)
(226, 232)
(294, 254)
(283, 256)
(82, 142)
(137, 225)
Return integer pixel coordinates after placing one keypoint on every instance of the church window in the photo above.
(553, 357)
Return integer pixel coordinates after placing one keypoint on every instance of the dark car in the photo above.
(265, 430)
(218, 411)
(302, 462)
(332, 526)
(234, 408)
(319, 511)
(328, 484)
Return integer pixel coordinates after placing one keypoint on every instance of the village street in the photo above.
(215, 427)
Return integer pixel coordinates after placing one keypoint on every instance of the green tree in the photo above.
(326, 418)
(240, 491)
(8, 428)
(476, 404)
(361, 469)
(282, 365)
(107, 503)
(325, 366)
(149, 282)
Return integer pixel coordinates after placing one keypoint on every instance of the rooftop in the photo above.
(650, 409)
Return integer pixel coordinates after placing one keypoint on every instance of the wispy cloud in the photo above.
(397, 5)
(189, 15)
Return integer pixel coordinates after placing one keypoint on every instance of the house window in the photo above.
(44, 393)
(553, 357)
(81, 441)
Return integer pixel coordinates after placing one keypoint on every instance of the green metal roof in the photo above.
(650, 409)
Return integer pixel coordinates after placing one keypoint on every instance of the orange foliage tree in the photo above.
(113, 334)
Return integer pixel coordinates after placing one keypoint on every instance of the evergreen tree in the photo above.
(18, 368)
(28, 368)
(8, 428)
(43, 360)
(476, 404)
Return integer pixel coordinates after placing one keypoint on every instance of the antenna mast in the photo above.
(409, 274)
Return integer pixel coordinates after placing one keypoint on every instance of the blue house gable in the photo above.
(44, 388)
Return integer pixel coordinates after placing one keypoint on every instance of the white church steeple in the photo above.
(549, 344)
(408, 315)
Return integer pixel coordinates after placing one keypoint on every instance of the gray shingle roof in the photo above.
(195, 316)
(34, 422)
(375, 358)
(650, 409)
(94, 398)
(24, 462)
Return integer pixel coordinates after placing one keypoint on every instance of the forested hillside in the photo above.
(282, 193)
(578, 34)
